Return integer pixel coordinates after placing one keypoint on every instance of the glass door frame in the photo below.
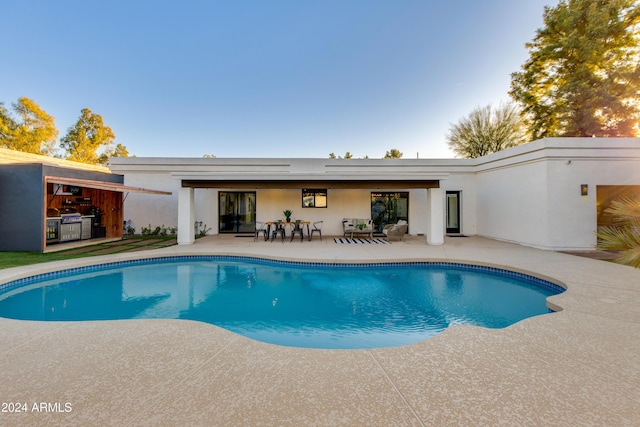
(242, 218)
(387, 207)
(453, 212)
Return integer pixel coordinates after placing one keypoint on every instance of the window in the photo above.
(314, 198)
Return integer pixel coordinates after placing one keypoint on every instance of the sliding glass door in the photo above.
(388, 208)
(237, 212)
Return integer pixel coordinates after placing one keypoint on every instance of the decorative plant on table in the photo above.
(287, 214)
(361, 226)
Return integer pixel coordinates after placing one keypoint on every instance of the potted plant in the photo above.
(287, 214)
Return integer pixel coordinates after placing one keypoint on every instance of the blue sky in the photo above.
(278, 78)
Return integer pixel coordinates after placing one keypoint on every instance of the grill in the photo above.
(70, 218)
(70, 227)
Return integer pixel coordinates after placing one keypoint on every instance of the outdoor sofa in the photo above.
(351, 226)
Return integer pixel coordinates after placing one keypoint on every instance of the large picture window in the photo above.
(314, 198)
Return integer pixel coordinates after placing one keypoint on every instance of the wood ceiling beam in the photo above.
(345, 184)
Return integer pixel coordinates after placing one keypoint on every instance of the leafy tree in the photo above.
(86, 137)
(624, 234)
(583, 74)
(394, 153)
(347, 155)
(7, 125)
(119, 151)
(487, 130)
(34, 132)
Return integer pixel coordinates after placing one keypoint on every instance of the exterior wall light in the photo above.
(584, 189)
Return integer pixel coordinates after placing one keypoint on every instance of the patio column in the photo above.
(186, 216)
(435, 221)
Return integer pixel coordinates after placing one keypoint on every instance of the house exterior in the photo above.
(548, 194)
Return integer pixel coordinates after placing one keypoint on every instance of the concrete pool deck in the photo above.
(579, 366)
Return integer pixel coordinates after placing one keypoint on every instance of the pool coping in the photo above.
(550, 284)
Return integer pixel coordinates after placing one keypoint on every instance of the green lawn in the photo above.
(16, 259)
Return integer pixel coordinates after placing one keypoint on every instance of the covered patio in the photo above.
(429, 211)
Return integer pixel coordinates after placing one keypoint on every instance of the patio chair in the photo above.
(278, 228)
(395, 231)
(317, 228)
(296, 228)
(261, 228)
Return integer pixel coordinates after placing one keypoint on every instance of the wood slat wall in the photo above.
(110, 204)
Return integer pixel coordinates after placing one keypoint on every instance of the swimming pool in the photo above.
(314, 305)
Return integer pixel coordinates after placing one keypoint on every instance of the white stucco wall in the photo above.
(418, 211)
(512, 203)
(206, 208)
(573, 217)
(528, 194)
(465, 183)
(340, 203)
(151, 209)
(531, 194)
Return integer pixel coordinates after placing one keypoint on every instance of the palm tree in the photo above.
(624, 233)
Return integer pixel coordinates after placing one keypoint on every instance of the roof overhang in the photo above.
(101, 185)
(312, 173)
(297, 184)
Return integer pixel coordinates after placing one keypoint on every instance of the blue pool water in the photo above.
(292, 304)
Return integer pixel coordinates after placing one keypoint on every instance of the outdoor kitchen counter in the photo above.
(70, 226)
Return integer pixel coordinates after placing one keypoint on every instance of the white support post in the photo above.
(435, 222)
(186, 216)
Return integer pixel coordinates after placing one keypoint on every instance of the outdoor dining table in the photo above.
(289, 224)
